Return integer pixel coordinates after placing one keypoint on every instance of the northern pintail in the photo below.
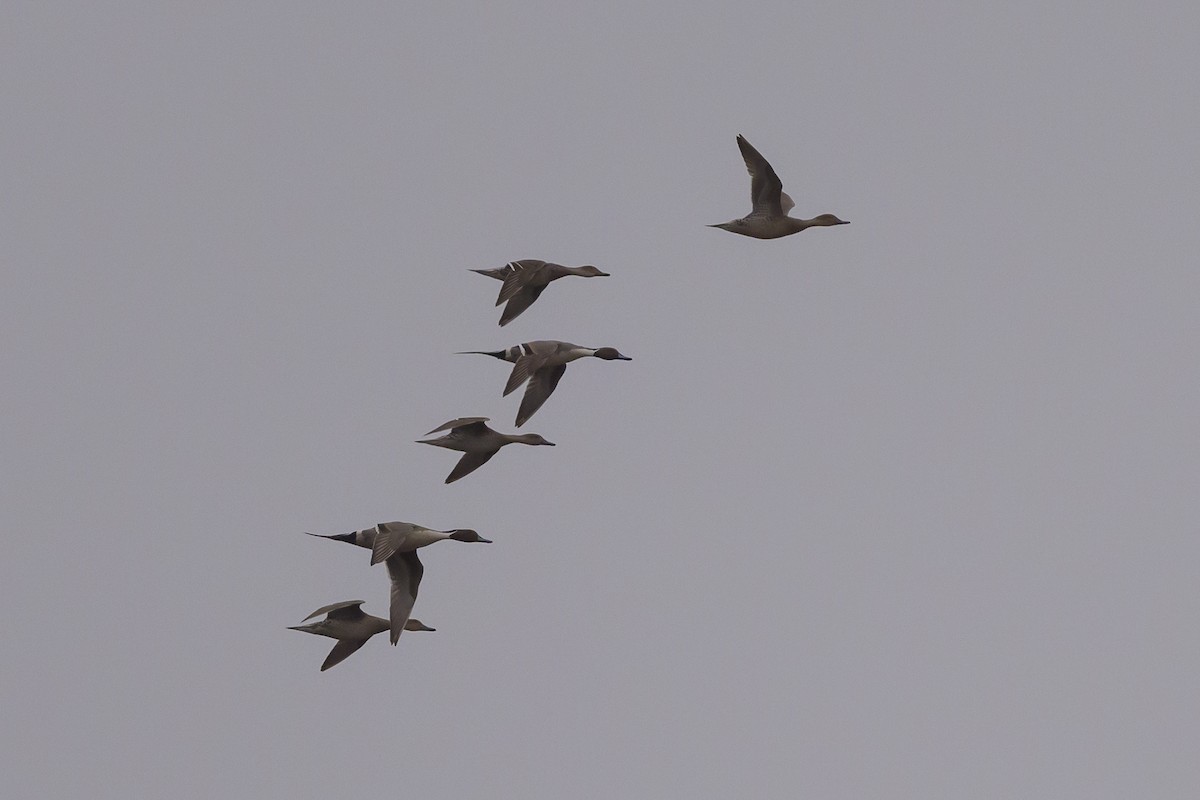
(769, 217)
(477, 442)
(525, 280)
(396, 544)
(542, 363)
(401, 536)
(351, 626)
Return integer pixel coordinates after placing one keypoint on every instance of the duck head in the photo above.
(467, 535)
(828, 219)
(533, 438)
(417, 625)
(610, 354)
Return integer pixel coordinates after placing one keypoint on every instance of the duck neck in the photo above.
(578, 352)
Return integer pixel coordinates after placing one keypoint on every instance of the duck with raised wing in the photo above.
(396, 544)
(477, 442)
(542, 363)
(402, 533)
(768, 218)
(525, 280)
(351, 626)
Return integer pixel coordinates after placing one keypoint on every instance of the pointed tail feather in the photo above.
(493, 353)
(340, 537)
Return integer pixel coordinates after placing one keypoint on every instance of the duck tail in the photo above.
(493, 353)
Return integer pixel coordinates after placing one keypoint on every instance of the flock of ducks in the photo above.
(540, 366)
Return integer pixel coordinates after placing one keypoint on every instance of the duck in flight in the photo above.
(396, 543)
(351, 626)
(525, 280)
(477, 442)
(768, 219)
(542, 363)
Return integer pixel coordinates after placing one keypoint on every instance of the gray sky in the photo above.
(902, 509)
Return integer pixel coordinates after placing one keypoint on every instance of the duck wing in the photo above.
(540, 387)
(463, 426)
(468, 464)
(341, 651)
(765, 187)
(526, 365)
(389, 539)
(522, 274)
(519, 302)
(405, 570)
(348, 610)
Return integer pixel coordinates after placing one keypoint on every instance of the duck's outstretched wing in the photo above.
(541, 386)
(525, 366)
(341, 651)
(405, 570)
(388, 540)
(468, 464)
(519, 302)
(766, 189)
(475, 423)
(347, 609)
(521, 274)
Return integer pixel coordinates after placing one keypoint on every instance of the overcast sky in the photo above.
(900, 509)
